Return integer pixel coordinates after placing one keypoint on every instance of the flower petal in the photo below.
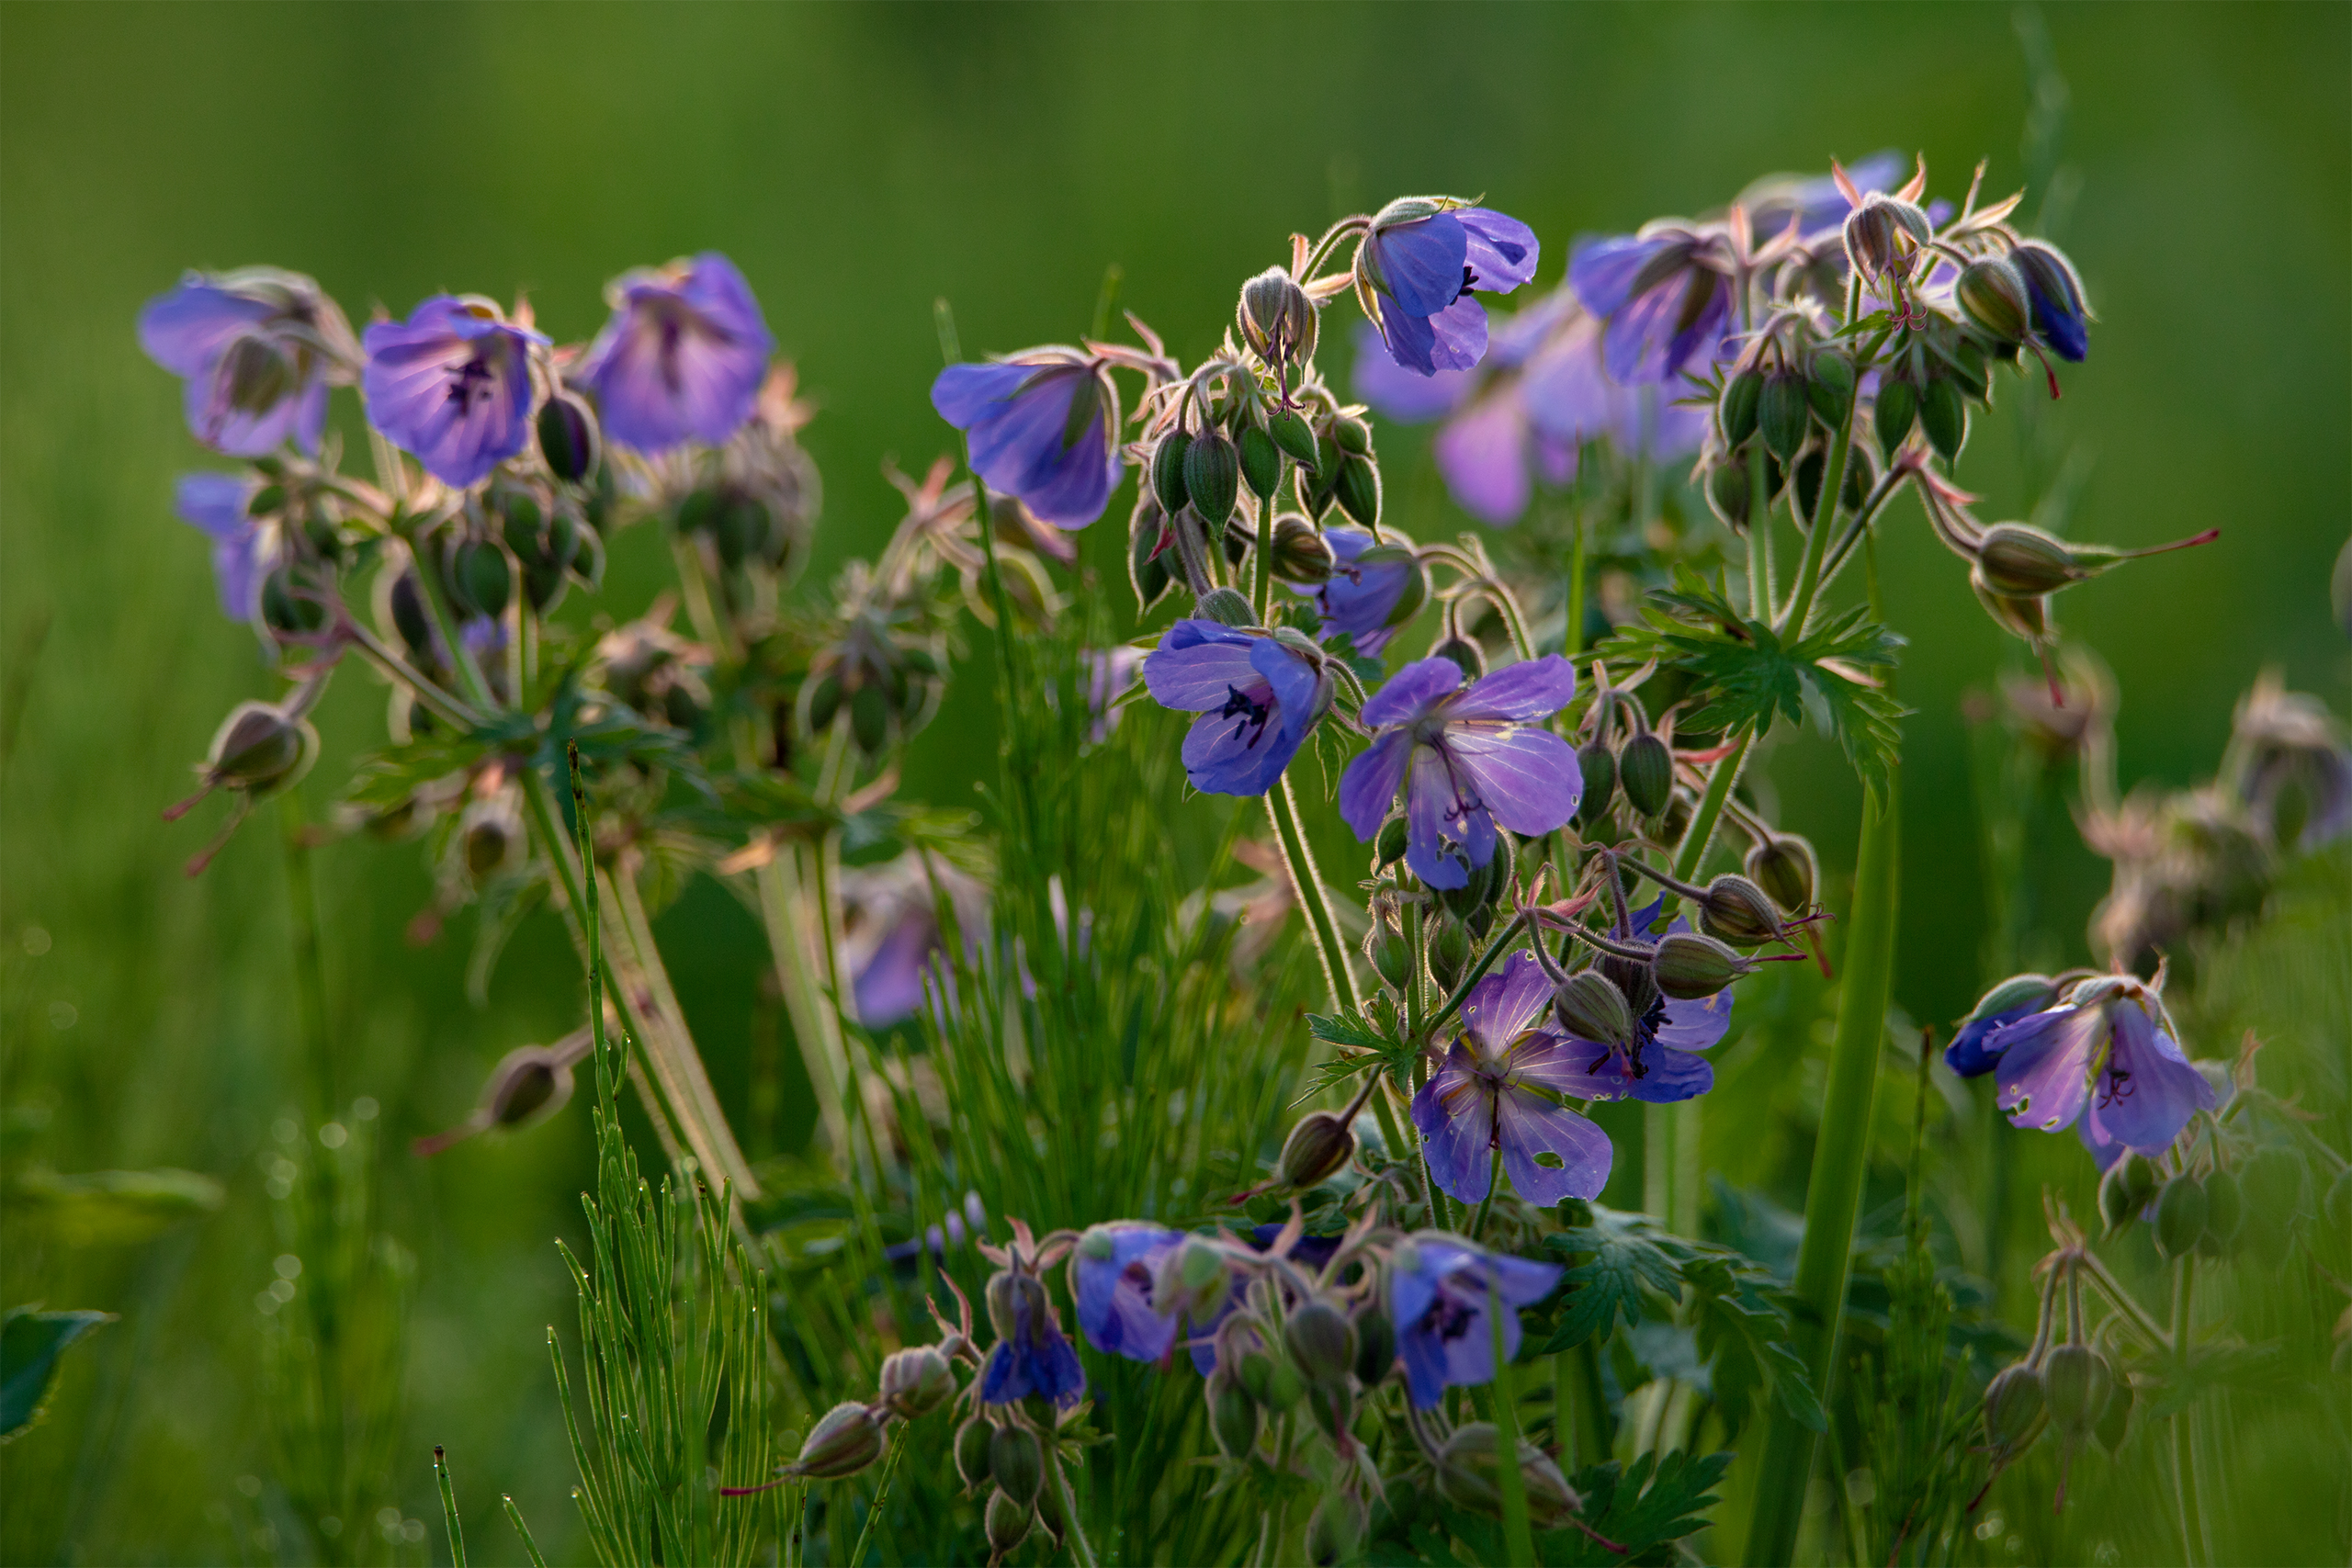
(1696, 1026)
(1455, 1112)
(1197, 665)
(2149, 1090)
(1502, 252)
(1411, 693)
(1526, 778)
(2045, 1064)
(1420, 264)
(1503, 1006)
(1532, 1125)
(1532, 689)
(1483, 454)
(1368, 786)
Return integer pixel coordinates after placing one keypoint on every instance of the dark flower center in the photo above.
(2115, 1084)
(1251, 712)
(1451, 1315)
(471, 384)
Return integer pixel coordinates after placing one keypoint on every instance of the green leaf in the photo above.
(1644, 1508)
(30, 1342)
(111, 1207)
(1629, 1259)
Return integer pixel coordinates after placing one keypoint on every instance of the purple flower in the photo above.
(1467, 759)
(1665, 293)
(1660, 1064)
(452, 385)
(1374, 587)
(1110, 673)
(1031, 1355)
(1571, 399)
(1972, 1052)
(1419, 266)
(892, 939)
(1438, 1299)
(1258, 696)
(2103, 1056)
(1112, 1276)
(245, 549)
(1502, 1085)
(683, 357)
(1042, 427)
(2055, 294)
(258, 348)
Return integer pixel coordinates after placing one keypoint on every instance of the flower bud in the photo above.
(972, 1450)
(1316, 1147)
(1731, 492)
(2114, 1423)
(2023, 562)
(484, 581)
(1467, 1477)
(916, 1381)
(1396, 837)
(1391, 960)
(1234, 1419)
(2181, 1211)
(1690, 967)
(1376, 1346)
(2059, 314)
(1645, 772)
(1294, 435)
(1784, 866)
(1261, 462)
(1321, 1342)
(568, 438)
(1896, 411)
(1596, 764)
(1944, 416)
(1016, 1463)
(2075, 1382)
(1358, 490)
(1449, 950)
(1590, 1007)
(1007, 1522)
(1211, 466)
(1829, 385)
(1276, 318)
(1225, 607)
(845, 1441)
(1167, 472)
(1466, 656)
(1194, 1279)
(258, 749)
(1992, 295)
(1883, 236)
(2025, 619)
(1783, 413)
(1332, 1406)
(1014, 1298)
(1736, 411)
(1852, 491)
(2126, 1191)
(2013, 1406)
(1301, 555)
(1334, 1529)
(294, 602)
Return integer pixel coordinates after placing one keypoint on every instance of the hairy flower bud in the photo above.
(2182, 1210)
(1944, 416)
(2126, 1191)
(569, 441)
(1784, 867)
(1211, 478)
(1449, 950)
(1737, 911)
(972, 1450)
(1596, 764)
(1301, 555)
(1016, 1463)
(1233, 1414)
(1007, 1522)
(1645, 772)
(259, 748)
(1391, 959)
(1357, 489)
(1225, 607)
(1590, 1007)
(1829, 385)
(1167, 472)
(1294, 435)
(1992, 294)
(1321, 1342)
(2059, 314)
(1015, 1298)
(1783, 413)
(1883, 236)
(1736, 411)
(2075, 1382)
(1467, 657)
(1261, 462)
(1896, 410)
(916, 1381)
(1276, 318)
(843, 1442)
(1317, 1146)
(2013, 1406)
(1334, 1529)
(2023, 562)
(1468, 1477)
(483, 579)
(1731, 492)
(1691, 967)
(1376, 1346)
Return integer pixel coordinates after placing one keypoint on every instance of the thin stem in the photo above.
(1486, 1205)
(437, 604)
(426, 690)
(1762, 591)
(449, 1506)
(530, 1547)
(1485, 962)
(777, 884)
(1306, 886)
(1517, 1536)
(1265, 550)
(1575, 643)
(1079, 1547)
(1790, 624)
(1858, 528)
(2184, 1457)
(1689, 854)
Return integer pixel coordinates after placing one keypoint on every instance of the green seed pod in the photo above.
(484, 581)
(1590, 1007)
(1007, 1522)
(1302, 556)
(2126, 1191)
(1896, 411)
(1016, 1463)
(1225, 607)
(1829, 387)
(568, 438)
(1354, 435)
(1332, 1406)
(1737, 911)
(1334, 1529)
(972, 1451)
(406, 599)
(1389, 848)
(2224, 1208)
(1468, 1476)
(1376, 1346)
(1321, 1342)
(916, 1381)
(1147, 564)
(845, 1441)
(1783, 413)
(2013, 1406)
(292, 602)
(1167, 472)
(1294, 435)
(1384, 946)
(258, 749)
(1319, 1145)
(2181, 1211)
(1257, 1376)
(1449, 950)
(869, 718)
(1645, 772)
(1284, 1386)
(1784, 867)
(1358, 490)
(1731, 495)
(1993, 297)
(2023, 562)
(1211, 478)
(1597, 766)
(1944, 416)
(2114, 1423)
(1234, 1419)
(1690, 967)
(1467, 657)
(1261, 462)
(2075, 1382)
(1736, 412)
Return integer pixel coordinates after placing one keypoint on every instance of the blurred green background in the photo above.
(858, 162)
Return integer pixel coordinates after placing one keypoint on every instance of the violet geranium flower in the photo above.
(1438, 1300)
(1042, 425)
(1502, 1085)
(452, 386)
(2103, 1054)
(258, 348)
(1374, 587)
(683, 357)
(1468, 759)
(1417, 269)
(1112, 1273)
(1031, 1355)
(245, 548)
(1972, 1054)
(1259, 696)
(1666, 294)
(1661, 1063)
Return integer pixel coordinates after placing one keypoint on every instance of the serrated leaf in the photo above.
(1642, 1507)
(1627, 1260)
(31, 1344)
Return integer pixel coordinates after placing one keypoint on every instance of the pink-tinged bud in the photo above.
(845, 1441)
(916, 1381)
(1276, 318)
(1883, 236)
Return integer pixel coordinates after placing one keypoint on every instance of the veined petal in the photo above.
(1420, 264)
(1433, 806)
(1526, 778)
(966, 394)
(2045, 1065)
(1603, 272)
(1502, 251)
(2148, 1090)
(1197, 665)
(1533, 1125)
(1505, 1004)
(184, 329)
(1532, 689)
(1368, 786)
(1411, 693)
(1696, 1026)
(1455, 1112)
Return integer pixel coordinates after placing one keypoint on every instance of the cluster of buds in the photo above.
(2065, 1384)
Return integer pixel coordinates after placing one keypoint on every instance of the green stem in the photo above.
(1079, 1547)
(310, 963)
(449, 1506)
(1264, 563)
(2184, 1457)
(1689, 854)
(1825, 1257)
(1486, 1205)
(530, 1547)
(1484, 961)
(1306, 884)
(1518, 1538)
(1762, 591)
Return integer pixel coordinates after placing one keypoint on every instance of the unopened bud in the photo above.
(1449, 950)
(1301, 555)
(1167, 472)
(972, 1450)
(1211, 478)
(1591, 1008)
(568, 438)
(2114, 1423)
(1013, 1299)
(2025, 619)
(2013, 1405)
(1396, 836)
(1737, 911)
(1944, 416)
(1883, 236)
(2075, 1382)
(1829, 385)
(1376, 1346)
(1357, 489)
(1233, 1414)
(1007, 1522)
(1897, 408)
(1783, 413)
(1391, 960)
(1226, 607)
(1334, 1529)
(1276, 318)
(1645, 772)
(1321, 1342)
(1784, 867)
(845, 1441)
(1467, 657)
(1736, 412)
(2059, 313)
(1194, 1279)
(1992, 294)
(2224, 1212)
(1294, 435)
(1731, 493)
(484, 581)
(1468, 1477)
(1016, 1463)
(1691, 967)
(2024, 563)
(1332, 1405)
(529, 1082)
(916, 1381)
(258, 749)
(2182, 1209)
(1261, 462)
(1316, 1147)
(2126, 1191)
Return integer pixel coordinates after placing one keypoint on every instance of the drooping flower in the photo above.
(1112, 1273)
(258, 348)
(891, 938)
(1417, 267)
(2061, 319)
(1043, 425)
(1666, 293)
(683, 357)
(1437, 1298)
(1468, 759)
(1258, 695)
(2289, 761)
(2102, 1053)
(1971, 1054)
(1375, 586)
(452, 385)
(1502, 1085)
(245, 548)
(1031, 1355)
